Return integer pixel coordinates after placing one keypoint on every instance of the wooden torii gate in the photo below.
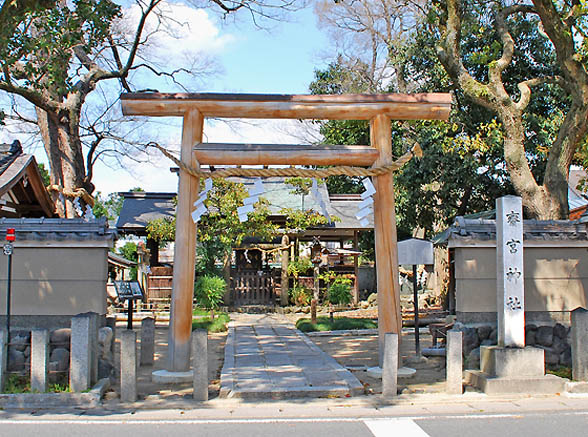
(378, 109)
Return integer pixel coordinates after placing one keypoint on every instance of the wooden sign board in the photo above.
(129, 290)
(415, 251)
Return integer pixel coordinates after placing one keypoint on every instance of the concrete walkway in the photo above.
(266, 357)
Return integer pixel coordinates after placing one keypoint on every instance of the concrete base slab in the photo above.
(577, 387)
(492, 385)
(403, 372)
(167, 377)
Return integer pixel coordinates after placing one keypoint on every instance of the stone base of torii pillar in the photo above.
(513, 370)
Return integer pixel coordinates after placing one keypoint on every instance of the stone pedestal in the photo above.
(513, 370)
(580, 344)
(39, 360)
(147, 341)
(128, 366)
(454, 363)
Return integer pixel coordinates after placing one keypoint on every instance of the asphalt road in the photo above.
(503, 425)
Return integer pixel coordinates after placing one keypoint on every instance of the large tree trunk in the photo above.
(64, 151)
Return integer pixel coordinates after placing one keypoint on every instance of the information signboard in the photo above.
(129, 290)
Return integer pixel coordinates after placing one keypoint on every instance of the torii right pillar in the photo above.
(389, 315)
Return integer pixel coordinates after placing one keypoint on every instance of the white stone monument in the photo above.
(511, 367)
(510, 279)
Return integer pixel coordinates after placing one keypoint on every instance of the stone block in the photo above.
(147, 341)
(3, 357)
(20, 340)
(544, 336)
(484, 332)
(454, 365)
(512, 362)
(580, 344)
(390, 366)
(60, 356)
(39, 359)
(16, 360)
(200, 364)
(94, 347)
(128, 366)
(105, 340)
(61, 338)
(80, 364)
(560, 331)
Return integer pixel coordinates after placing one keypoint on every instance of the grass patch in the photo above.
(200, 312)
(562, 372)
(324, 323)
(17, 384)
(219, 324)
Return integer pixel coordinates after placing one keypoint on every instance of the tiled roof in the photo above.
(57, 229)
(483, 230)
(139, 208)
(8, 153)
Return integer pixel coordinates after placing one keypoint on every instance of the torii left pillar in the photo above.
(184, 250)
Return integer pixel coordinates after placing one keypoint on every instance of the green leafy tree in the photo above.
(209, 291)
(129, 251)
(531, 52)
(44, 174)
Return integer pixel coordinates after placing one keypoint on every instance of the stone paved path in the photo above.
(269, 358)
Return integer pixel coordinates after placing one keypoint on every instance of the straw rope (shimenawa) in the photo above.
(73, 194)
(293, 171)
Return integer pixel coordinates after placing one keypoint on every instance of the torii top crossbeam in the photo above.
(379, 109)
(430, 106)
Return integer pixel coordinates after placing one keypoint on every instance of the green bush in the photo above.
(209, 291)
(339, 291)
(299, 295)
(299, 266)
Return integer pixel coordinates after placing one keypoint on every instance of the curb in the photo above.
(91, 399)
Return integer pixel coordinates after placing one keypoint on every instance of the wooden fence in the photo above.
(252, 288)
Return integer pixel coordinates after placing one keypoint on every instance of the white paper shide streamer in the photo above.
(366, 206)
(316, 195)
(254, 193)
(199, 204)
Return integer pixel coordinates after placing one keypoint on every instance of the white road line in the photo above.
(395, 427)
(180, 421)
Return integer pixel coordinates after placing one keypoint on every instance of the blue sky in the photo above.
(281, 60)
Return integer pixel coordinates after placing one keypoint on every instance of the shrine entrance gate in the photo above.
(378, 109)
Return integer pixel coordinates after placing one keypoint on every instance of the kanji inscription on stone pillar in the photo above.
(510, 278)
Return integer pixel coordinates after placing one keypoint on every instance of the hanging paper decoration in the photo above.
(366, 205)
(78, 207)
(316, 194)
(89, 215)
(254, 193)
(199, 204)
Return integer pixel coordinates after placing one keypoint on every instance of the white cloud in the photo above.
(181, 31)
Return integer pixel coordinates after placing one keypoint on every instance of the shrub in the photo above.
(209, 291)
(339, 291)
(299, 295)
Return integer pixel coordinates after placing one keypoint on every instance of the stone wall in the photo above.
(19, 353)
(554, 340)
